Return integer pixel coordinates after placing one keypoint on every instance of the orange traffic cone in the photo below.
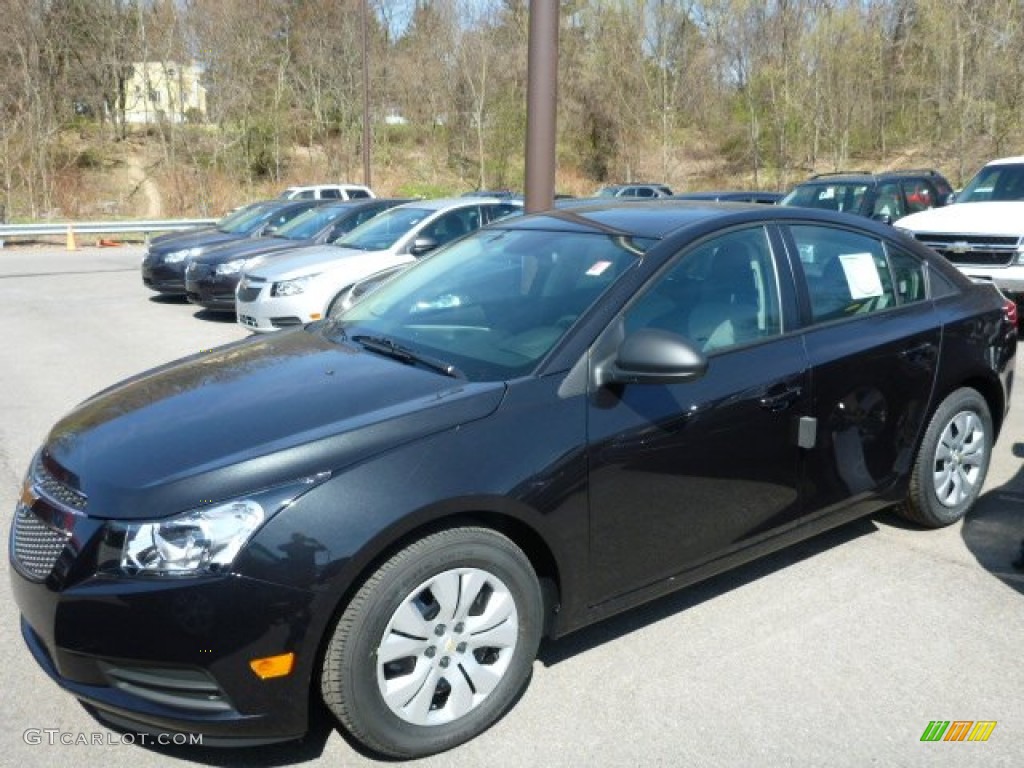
(106, 243)
(71, 239)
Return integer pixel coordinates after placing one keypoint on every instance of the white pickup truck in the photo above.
(982, 232)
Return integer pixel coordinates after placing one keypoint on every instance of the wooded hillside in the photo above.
(755, 93)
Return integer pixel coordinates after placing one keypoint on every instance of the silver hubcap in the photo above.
(447, 646)
(959, 458)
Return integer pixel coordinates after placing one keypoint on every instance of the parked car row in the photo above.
(283, 263)
(551, 420)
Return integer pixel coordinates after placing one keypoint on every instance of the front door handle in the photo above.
(780, 401)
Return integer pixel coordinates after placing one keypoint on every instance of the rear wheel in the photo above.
(952, 462)
(436, 645)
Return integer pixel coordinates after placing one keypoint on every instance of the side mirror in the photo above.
(654, 356)
(422, 244)
(270, 229)
(949, 198)
(885, 218)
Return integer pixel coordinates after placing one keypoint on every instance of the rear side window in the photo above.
(331, 194)
(846, 273)
(353, 194)
(909, 278)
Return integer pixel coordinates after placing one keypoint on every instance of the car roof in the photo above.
(441, 203)
(867, 177)
(1018, 160)
(646, 218)
(663, 217)
(363, 202)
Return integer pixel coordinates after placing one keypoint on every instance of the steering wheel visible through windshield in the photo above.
(495, 303)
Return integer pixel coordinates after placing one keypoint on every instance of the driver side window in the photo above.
(721, 294)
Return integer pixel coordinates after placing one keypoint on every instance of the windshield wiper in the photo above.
(385, 346)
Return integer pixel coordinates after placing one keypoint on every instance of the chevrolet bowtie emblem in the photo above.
(960, 246)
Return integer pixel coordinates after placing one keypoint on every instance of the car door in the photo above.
(872, 341)
(683, 473)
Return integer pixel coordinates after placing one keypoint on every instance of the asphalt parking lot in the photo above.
(837, 652)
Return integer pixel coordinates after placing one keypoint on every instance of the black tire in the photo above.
(487, 568)
(952, 462)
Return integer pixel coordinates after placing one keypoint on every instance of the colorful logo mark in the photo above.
(958, 730)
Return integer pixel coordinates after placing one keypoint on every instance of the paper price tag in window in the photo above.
(861, 275)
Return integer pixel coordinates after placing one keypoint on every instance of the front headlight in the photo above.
(291, 287)
(176, 256)
(203, 540)
(230, 267)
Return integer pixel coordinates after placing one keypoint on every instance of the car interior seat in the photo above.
(727, 310)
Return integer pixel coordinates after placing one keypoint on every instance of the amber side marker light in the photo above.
(273, 666)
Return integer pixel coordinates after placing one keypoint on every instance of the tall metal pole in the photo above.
(366, 96)
(541, 103)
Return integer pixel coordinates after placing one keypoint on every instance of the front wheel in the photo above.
(952, 462)
(436, 644)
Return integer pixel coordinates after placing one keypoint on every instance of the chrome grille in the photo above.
(46, 484)
(36, 545)
(978, 250)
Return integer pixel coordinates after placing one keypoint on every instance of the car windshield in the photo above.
(308, 223)
(831, 197)
(248, 222)
(607, 192)
(383, 231)
(235, 216)
(496, 302)
(994, 182)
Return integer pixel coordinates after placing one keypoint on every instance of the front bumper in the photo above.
(1010, 280)
(170, 656)
(164, 278)
(256, 310)
(215, 292)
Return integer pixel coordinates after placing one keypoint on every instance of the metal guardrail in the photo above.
(100, 227)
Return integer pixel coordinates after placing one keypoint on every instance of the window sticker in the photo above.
(861, 275)
(598, 268)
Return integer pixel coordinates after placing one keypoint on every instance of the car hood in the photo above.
(308, 261)
(247, 416)
(246, 249)
(990, 218)
(202, 240)
(161, 240)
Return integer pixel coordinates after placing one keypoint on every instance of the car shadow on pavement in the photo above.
(166, 298)
(994, 529)
(214, 317)
(586, 639)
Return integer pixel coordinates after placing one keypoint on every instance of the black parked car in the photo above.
(550, 420)
(883, 197)
(163, 264)
(211, 279)
(226, 223)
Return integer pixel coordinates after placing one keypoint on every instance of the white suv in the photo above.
(327, 192)
(982, 232)
(299, 286)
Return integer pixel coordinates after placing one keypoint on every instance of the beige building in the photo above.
(165, 91)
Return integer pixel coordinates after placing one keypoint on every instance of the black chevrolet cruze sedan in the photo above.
(211, 279)
(549, 421)
(165, 259)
